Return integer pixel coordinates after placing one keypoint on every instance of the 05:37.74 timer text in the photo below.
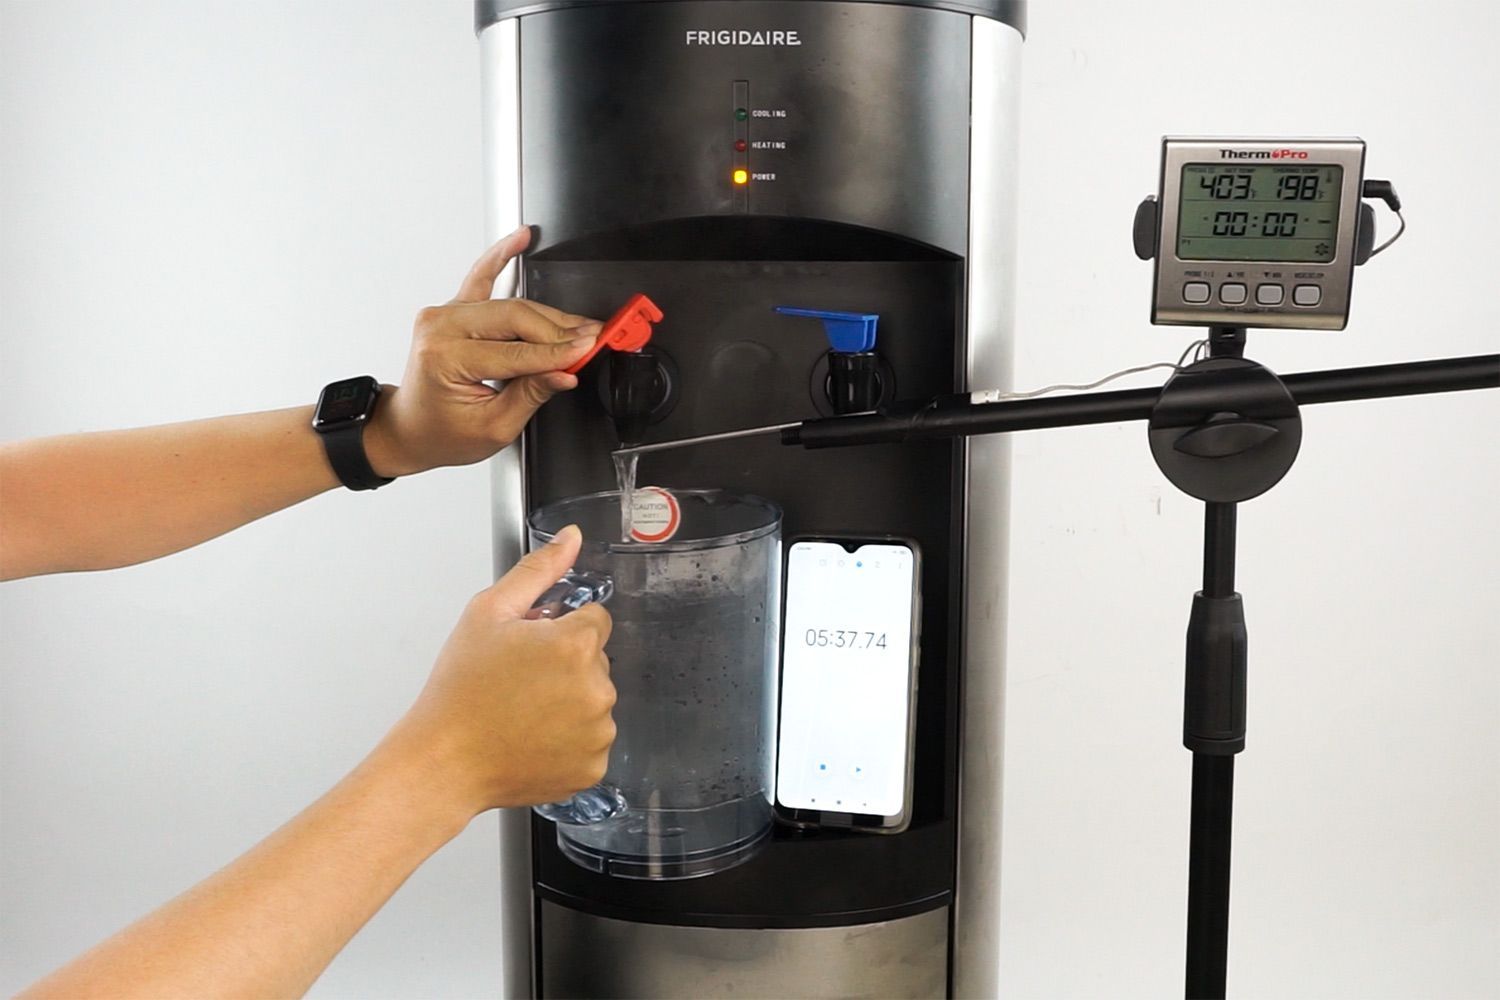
(844, 639)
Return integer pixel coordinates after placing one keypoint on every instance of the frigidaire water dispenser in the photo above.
(727, 158)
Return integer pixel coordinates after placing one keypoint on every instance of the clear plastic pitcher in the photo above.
(693, 659)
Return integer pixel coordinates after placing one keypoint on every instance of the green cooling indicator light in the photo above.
(740, 114)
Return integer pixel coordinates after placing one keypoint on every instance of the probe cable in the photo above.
(1386, 192)
(1195, 350)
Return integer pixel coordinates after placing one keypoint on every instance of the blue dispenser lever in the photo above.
(848, 333)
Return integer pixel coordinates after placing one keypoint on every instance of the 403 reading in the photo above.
(843, 639)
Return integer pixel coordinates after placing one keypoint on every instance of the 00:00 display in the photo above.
(1275, 224)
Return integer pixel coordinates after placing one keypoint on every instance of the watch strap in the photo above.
(346, 453)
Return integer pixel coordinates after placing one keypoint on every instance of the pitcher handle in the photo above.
(603, 801)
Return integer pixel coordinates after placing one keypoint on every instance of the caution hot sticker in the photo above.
(655, 515)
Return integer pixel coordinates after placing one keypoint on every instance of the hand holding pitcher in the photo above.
(517, 710)
(600, 801)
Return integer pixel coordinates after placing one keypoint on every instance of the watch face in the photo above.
(346, 401)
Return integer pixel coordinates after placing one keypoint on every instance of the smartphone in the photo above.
(848, 683)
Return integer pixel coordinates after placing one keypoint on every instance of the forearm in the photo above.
(267, 925)
(98, 501)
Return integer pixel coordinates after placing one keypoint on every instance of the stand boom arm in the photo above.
(957, 416)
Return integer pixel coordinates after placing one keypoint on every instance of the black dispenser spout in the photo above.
(637, 388)
(853, 381)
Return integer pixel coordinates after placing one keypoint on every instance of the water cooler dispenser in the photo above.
(727, 158)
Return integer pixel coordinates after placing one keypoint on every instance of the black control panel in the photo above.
(835, 125)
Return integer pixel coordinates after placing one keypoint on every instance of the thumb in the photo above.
(516, 591)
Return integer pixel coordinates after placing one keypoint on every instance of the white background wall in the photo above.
(217, 207)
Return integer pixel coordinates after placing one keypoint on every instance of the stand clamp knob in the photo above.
(1225, 430)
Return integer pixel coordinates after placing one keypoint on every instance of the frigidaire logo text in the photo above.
(1262, 154)
(743, 36)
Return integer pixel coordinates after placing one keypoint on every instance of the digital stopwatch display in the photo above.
(1260, 212)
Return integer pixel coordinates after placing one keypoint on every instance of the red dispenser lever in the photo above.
(627, 330)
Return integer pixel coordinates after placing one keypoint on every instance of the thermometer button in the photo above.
(1195, 292)
(1307, 295)
(1232, 293)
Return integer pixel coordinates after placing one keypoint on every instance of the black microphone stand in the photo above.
(1223, 430)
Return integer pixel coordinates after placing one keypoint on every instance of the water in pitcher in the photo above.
(693, 660)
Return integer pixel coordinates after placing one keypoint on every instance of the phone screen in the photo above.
(846, 682)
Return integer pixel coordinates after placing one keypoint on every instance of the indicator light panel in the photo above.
(739, 168)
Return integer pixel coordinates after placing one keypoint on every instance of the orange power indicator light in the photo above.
(742, 177)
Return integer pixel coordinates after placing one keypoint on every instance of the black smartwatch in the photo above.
(344, 408)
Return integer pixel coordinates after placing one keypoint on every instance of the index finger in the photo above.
(592, 617)
(557, 315)
(508, 319)
(479, 283)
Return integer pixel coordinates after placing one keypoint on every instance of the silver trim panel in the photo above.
(995, 109)
(588, 956)
(500, 102)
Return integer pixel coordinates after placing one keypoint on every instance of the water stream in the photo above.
(625, 468)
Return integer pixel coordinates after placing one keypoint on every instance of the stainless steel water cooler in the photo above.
(726, 158)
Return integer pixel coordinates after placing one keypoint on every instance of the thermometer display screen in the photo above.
(1264, 212)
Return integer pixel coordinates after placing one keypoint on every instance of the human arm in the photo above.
(103, 500)
(516, 712)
